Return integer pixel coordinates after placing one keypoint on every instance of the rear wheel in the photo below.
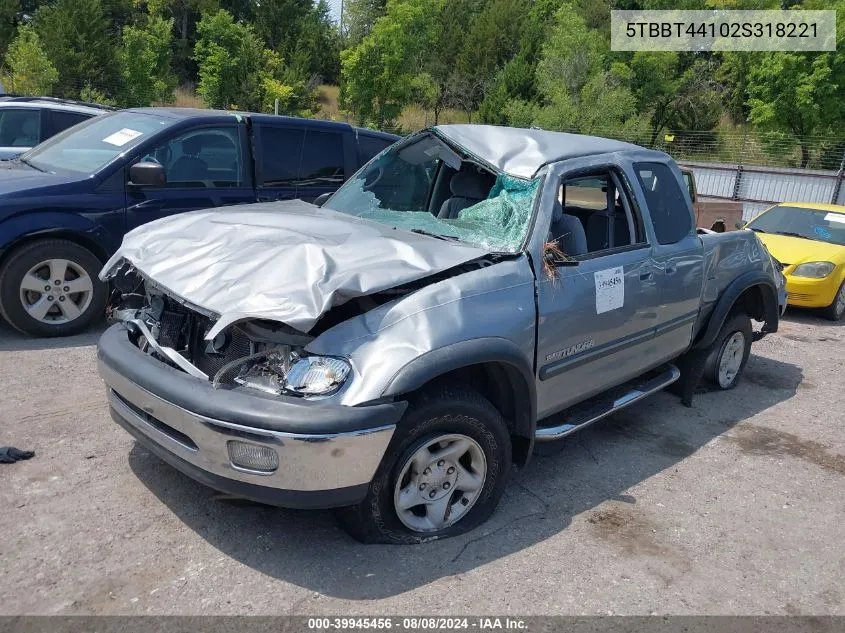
(443, 473)
(836, 310)
(50, 288)
(730, 352)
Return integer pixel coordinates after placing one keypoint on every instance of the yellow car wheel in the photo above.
(836, 310)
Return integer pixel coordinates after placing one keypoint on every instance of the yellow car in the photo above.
(809, 241)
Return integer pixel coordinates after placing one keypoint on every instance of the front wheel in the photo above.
(50, 288)
(730, 352)
(836, 310)
(443, 473)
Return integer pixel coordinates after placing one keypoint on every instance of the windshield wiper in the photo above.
(790, 234)
(448, 238)
(26, 162)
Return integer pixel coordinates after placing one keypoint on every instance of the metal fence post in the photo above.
(838, 186)
(738, 179)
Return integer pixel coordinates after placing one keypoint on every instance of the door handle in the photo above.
(646, 276)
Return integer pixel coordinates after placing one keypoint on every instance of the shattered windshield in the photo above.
(427, 187)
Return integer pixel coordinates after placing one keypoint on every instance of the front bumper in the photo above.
(807, 292)
(327, 453)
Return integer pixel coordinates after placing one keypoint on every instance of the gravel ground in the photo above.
(732, 507)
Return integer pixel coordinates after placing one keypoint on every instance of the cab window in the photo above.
(670, 213)
(595, 215)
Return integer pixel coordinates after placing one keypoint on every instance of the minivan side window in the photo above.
(322, 160)
(62, 120)
(20, 127)
(281, 155)
(204, 157)
(370, 146)
(670, 213)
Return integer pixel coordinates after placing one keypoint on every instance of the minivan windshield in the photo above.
(810, 224)
(87, 147)
(426, 186)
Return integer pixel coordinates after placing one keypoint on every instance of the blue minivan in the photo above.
(66, 204)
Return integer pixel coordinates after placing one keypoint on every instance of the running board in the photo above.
(595, 409)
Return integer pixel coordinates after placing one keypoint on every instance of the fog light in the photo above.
(252, 457)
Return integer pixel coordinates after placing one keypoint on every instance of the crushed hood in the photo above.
(284, 261)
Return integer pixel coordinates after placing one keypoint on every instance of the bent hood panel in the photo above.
(288, 261)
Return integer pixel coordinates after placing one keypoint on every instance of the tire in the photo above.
(30, 308)
(729, 353)
(836, 310)
(455, 416)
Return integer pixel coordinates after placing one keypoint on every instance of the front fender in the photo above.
(476, 351)
(57, 224)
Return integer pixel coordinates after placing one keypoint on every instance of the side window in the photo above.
(20, 127)
(595, 215)
(62, 120)
(281, 154)
(370, 146)
(207, 157)
(322, 160)
(669, 211)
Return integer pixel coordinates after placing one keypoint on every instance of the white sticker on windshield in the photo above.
(610, 289)
(122, 137)
(835, 217)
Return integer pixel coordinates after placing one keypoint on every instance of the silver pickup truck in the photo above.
(469, 292)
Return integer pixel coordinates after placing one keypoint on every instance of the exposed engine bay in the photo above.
(259, 354)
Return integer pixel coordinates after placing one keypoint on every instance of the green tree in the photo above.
(494, 37)
(359, 17)
(144, 59)
(76, 37)
(378, 75)
(795, 94)
(30, 70)
(578, 92)
(237, 71)
(229, 58)
(9, 10)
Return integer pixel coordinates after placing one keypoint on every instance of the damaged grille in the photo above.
(183, 330)
(235, 346)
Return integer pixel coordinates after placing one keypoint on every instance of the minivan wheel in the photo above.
(50, 288)
(730, 352)
(443, 473)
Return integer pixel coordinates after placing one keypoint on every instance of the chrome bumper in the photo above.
(307, 463)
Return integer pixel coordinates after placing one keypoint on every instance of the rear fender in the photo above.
(767, 311)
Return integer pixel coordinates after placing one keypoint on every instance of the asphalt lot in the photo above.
(735, 506)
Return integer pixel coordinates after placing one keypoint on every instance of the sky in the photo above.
(335, 4)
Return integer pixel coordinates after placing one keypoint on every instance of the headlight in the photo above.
(317, 375)
(817, 270)
(283, 371)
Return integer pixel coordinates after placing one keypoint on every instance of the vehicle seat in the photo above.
(568, 232)
(189, 167)
(468, 188)
(28, 135)
(597, 234)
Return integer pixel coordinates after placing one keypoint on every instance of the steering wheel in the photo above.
(373, 177)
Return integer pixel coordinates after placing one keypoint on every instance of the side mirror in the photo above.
(147, 174)
(320, 200)
(741, 224)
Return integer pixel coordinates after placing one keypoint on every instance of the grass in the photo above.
(185, 97)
